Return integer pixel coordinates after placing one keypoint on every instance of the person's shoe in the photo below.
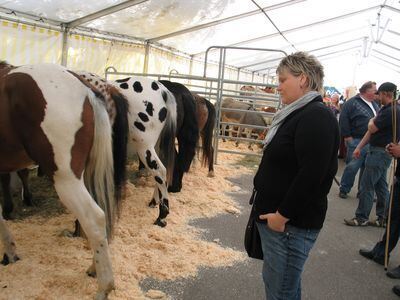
(394, 273)
(343, 195)
(379, 222)
(370, 254)
(355, 222)
(396, 290)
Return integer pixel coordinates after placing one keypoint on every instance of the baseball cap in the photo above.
(387, 87)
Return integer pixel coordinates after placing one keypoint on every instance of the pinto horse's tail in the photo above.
(167, 140)
(99, 169)
(207, 135)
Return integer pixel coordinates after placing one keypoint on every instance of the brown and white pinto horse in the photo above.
(51, 118)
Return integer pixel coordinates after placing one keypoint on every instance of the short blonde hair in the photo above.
(303, 63)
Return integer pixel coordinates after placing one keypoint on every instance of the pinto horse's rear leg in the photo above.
(10, 255)
(153, 163)
(8, 202)
(76, 198)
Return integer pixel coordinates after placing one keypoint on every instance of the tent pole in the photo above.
(146, 58)
(64, 54)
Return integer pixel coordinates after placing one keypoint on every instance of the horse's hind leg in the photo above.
(8, 202)
(26, 193)
(153, 163)
(76, 198)
(211, 164)
(10, 255)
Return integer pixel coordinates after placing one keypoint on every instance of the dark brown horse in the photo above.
(50, 118)
(206, 118)
(187, 132)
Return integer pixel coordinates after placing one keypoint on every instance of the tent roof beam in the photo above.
(224, 20)
(103, 12)
(333, 19)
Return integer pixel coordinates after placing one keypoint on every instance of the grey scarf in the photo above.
(286, 111)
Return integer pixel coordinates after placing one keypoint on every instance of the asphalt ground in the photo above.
(334, 269)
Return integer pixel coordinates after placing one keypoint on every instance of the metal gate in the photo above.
(216, 89)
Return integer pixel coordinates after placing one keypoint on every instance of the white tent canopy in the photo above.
(355, 40)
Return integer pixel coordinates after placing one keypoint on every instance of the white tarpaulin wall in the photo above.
(355, 40)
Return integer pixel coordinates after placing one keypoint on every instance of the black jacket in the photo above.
(298, 167)
(355, 116)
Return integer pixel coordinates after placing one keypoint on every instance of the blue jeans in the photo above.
(352, 165)
(374, 180)
(284, 256)
(379, 249)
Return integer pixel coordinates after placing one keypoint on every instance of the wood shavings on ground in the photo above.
(53, 266)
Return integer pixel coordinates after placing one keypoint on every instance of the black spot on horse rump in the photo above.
(162, 114)
(149, 108)
(124, 86)
(159, 194)
(151, 163)
(154, 86)
(137, 87)
(143, 117)
(158, 179)
(123, 80)
(164, 96)
(139, 126)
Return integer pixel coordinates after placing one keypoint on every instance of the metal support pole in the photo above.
(237, 78)
(146, 58)
(64, 54)
(222, 55)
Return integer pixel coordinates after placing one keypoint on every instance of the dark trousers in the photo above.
(379, 249)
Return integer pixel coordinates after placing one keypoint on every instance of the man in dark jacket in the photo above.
(353, 122)
(377, 161)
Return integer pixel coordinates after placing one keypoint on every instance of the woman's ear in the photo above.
(303, 80)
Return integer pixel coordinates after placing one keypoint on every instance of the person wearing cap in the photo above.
(377, 254)
(353, 122)
(377, 161)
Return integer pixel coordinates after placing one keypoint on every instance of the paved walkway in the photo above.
(333, 271)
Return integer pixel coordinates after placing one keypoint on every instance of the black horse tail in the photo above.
(188, 133)
(167, 140)
(120, 131)
(207, 135)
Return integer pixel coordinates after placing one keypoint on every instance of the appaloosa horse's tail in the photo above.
(207, 138)
(167, 140)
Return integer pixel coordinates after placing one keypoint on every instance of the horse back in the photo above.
(48, 114)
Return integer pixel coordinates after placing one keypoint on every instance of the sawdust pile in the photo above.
(53, 266)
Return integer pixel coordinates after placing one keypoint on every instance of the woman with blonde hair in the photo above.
(295, 175)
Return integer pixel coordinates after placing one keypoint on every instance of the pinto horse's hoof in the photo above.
(152, 203)
(6, 260)
(161, 223)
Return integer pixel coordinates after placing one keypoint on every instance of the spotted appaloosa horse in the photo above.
(152, 113)
(187, 132)
(51, 118)
(206, 118)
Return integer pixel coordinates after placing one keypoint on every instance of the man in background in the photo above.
(354, 117)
